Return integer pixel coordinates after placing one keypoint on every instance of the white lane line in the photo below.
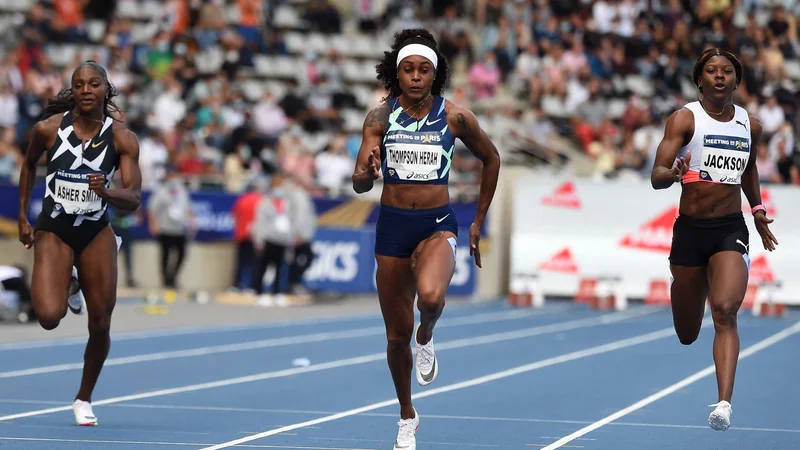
(427, 416)
(175, 444)
(274, 342)
(420, 444)
(439, 416)
(264, 325)
(580, 354)
(490, 338)
(753, 349)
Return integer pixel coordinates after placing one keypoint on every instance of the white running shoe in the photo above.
(407, 434)
(84, 416)
(427, 367)
(76, 301)
(720, 418)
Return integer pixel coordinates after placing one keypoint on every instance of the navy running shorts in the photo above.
(696, 239)
(399, 231)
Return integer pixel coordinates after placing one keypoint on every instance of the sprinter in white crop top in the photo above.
(709, 146)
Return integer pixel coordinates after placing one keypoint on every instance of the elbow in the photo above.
(656, 182)
(359, 186)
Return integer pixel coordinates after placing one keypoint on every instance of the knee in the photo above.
(431, 300)
(50, 318)
(49, 322)
(399, 336)
(687, 338)
(99, 325)
(724, 314)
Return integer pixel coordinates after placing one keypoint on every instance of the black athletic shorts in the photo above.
(696, 239)
(63, 226)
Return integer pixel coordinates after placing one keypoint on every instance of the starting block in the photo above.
(608, 294)
(762, 298)
(587, 290)
(658, 294)
(602, 292)
(526, 291)
(156, 304)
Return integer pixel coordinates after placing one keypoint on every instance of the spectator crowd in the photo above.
(225, 90)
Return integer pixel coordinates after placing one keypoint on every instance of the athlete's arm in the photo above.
(752, 188)
(368, 162)
(27, 177)
(27, 174)
(677, 133)
(464, 125)
(750, 183)
(130, 196)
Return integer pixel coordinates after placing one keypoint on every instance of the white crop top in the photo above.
(720, 150)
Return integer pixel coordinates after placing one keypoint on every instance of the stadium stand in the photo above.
(226, 89)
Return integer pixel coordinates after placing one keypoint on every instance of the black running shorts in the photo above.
(696, 239)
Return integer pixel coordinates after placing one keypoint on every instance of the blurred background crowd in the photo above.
(221, 92)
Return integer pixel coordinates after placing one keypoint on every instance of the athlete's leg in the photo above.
(728, 283)
(396, 295)
(98, 273)
(688, 297)
(52, 273)
(433, 264)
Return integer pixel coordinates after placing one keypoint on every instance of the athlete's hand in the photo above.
(97, 183)
(374, 163)
(475, 243)
(681, 167)
(767, 238)
(25, 233)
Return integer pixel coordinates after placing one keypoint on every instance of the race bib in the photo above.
(416, 162)
(724, 158)
(73, 194)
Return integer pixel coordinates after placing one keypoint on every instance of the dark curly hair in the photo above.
(710, 53)
(65, 100)
(387, 68)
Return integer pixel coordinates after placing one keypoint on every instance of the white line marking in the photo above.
(421, 444)
(579, 439)
(272, 342)
(264, 325)
(179, 444)
(529, 332)
(616, 345)
(757, 347)
(427, 416)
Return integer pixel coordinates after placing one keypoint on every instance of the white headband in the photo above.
(418, 50)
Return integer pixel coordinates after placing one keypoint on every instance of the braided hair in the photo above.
(387, 68)
(65, 100)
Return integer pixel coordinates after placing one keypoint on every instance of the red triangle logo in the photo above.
(766, 200)
(760, 271)
(655, 235)
(565, 196)
(561, 262)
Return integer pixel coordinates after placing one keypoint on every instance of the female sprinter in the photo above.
(715, 143)
(84, 146)
(410, 140)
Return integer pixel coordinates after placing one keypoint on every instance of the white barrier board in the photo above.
(565, 229)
